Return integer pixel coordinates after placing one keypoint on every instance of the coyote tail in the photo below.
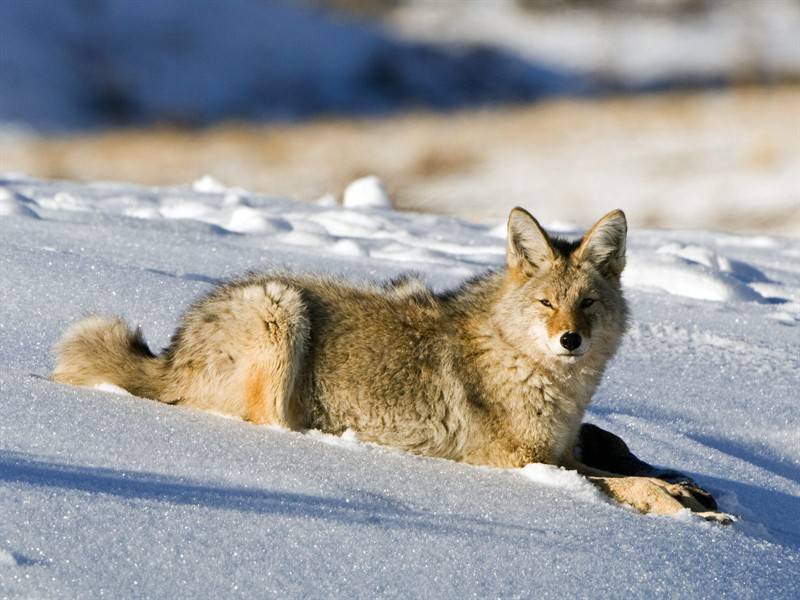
(105, 350)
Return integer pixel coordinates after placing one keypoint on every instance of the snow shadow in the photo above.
(774, 465)
(765, 513)
(186, 276)
(358, 507)
(777, 511)
(21, 560)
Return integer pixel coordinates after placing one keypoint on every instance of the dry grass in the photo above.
(567, 159)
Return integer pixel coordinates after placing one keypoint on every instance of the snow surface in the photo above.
(103, 494)
(366, 192)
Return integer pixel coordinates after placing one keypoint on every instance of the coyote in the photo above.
(497, 372)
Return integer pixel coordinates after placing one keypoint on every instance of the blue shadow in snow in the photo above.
(786, 469)
(777, 512)
(362, 508)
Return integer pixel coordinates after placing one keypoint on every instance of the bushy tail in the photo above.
(105, 350)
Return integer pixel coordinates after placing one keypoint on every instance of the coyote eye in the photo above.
(546, 302)
(587, 302)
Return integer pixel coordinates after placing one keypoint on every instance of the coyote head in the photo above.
(563, 300)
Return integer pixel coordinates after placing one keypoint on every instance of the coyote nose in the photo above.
(571, 340)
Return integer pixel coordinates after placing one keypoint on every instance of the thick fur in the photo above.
(105, 350)
(478, 374)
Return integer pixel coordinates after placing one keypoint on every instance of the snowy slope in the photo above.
(104, 494)
(68, 65)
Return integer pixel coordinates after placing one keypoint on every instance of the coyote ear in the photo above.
(604, 244)
(528, 245)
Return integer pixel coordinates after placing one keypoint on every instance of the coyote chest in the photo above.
(535, 411)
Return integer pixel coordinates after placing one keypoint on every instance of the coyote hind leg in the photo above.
(279, 331)
(240, 352)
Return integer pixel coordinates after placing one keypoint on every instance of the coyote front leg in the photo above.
(631, 481)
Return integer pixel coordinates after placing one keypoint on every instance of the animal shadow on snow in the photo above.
(360, 508)
(777, 511)
(770, 512)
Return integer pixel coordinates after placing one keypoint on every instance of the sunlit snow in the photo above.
(109, 494)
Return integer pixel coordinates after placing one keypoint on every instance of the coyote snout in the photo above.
(570, 334)
(571, 341)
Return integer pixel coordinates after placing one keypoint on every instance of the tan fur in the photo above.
(104, 350)
(476, 375)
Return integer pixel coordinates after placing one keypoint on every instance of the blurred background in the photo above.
(685, 113)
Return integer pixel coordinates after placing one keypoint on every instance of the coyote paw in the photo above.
(651, 495)
(717, 517)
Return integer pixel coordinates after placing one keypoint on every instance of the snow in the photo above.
(15, 204)
(209, 185)
(92, 64)
(366, 192)
(111, 389)
(83, 65)
(7, 559)
(721, 40)
(103, 494)
(557, 477)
